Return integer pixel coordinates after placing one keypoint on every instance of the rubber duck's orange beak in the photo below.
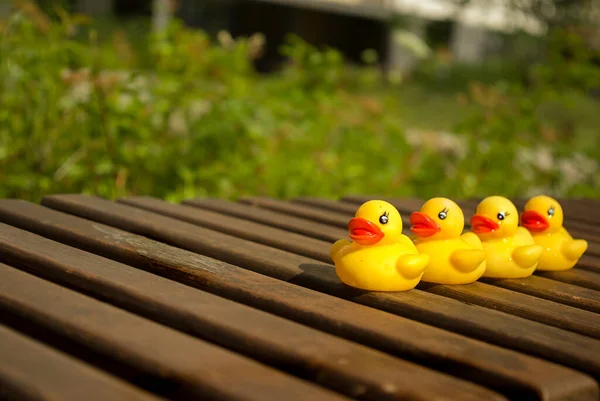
(364, 232)
(534, 221)
(423, 225)
(481, 224)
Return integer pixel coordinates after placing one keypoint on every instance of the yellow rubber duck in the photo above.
(379, 257)
(511, 251)
(543, 217)
(454, 258)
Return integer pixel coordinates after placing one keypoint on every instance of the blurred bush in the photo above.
(181, 115)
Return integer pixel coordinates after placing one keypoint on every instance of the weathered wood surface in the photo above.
(344, 366)
(275, 237)
(565, 293)
(32, 371)
(271, 218)
(253, 282)
(571, 349)
(148, 352)
(501, 369)
(481, 294)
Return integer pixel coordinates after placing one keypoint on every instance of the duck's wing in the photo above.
(467, 260)
(412, 266)
(337, 247)
(472, 239)
(574, 249)
(528, 255)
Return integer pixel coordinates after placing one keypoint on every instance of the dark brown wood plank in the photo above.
(32, 371)
(274, 219)
(582, 210)
(570, 293)
(541, 287)
(501, 369)
(339, 364)
(591, 263)
(529, 307)
(327, 217)
(250, 230)
(575, 276)
(554, 344)
(192, 367)
(328, 204)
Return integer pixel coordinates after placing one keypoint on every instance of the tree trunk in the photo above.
(5, 9)
(161, 14)
(95, 8)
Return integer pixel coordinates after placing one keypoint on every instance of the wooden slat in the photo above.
(575, 276)
(541, 287)
(184, 364)
(591, 263)
(501, 369)
(274, 219)
(409, 205)
(549, 342)
(339, 364)
(566, 317)
(250, 230)
(327, 217)
(572, 295)
(32, 371)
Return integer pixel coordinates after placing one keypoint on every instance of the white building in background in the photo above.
(475, 25)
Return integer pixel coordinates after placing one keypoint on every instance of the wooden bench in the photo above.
(210, 299)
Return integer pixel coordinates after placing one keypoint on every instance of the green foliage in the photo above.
(537, 125)
(180, 114)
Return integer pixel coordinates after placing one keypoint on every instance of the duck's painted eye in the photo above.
(551, 212)
(443, 214)
(383, 219)
(501, 216)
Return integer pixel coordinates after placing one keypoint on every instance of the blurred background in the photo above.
(186, 98)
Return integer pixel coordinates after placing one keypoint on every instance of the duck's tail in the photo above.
(573, 250)
(527, 256)
(467, 260)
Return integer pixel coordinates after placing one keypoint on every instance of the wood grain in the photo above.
(499, 328)
(541, 287)
(32, 371)
(189, 367)
(275, 237)
(333, 218)
(529, 307)
(575, 276)
(343, 366)
(504, 370)
(274, 219)
(568, 294)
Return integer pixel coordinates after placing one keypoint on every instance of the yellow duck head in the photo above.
(438, 219)
(542, 214)
(375, 222)
(495, 217)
